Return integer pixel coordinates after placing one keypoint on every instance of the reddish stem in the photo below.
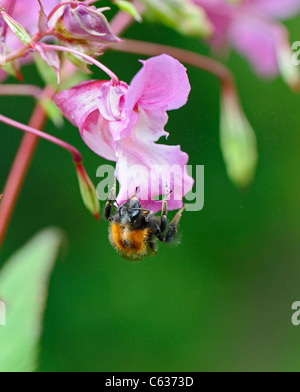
(20, 90)
(15, 124)
(185, 56)
(86, 57)
(20, 166)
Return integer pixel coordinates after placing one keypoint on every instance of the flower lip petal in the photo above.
(152, 167)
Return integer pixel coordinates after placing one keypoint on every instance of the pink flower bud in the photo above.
(80, 22)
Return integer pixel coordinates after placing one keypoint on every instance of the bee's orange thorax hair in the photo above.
(130, 243)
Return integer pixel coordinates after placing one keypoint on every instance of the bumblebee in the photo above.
(134, 231)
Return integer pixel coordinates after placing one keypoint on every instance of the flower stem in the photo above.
(15, 124)
(20, 90)
(86, 57)
(20, 166)
(207, 64)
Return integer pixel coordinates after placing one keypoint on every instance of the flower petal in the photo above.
(154, 168)
(255, 40)
(280, 9)
(95, 132)
(80, 105)
(161, 83)
(78, 102)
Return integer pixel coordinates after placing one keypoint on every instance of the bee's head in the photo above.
(130, 211)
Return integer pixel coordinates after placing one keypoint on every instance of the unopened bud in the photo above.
(88, 191)
(238, 140)
(16, 28)
(80, 22)
(288, 70)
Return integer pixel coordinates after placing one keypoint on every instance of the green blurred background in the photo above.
(222, 300)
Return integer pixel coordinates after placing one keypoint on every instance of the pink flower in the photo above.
(26, 12)
(123, 123)
(250, 27)
(80, 22)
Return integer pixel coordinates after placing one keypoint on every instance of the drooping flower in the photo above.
(79, 22)
(27, 14)
(253, 29)
(123, 123)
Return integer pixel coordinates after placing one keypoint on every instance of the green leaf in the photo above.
(23, 290)
(129, 8)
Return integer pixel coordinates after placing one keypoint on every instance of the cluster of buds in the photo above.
(76, 25)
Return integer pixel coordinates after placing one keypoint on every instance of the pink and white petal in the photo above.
(162, 83)
(95, 132)
(153, 168)
(122, 129)
(80, 106)
(155, 122)
(279, 9)
(255, 40)
(77, 103)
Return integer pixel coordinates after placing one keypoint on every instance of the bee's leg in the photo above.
(111, 200)
(171, 234)
(136, 192)
(156, 230)
(164, 213)
(153, 247)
